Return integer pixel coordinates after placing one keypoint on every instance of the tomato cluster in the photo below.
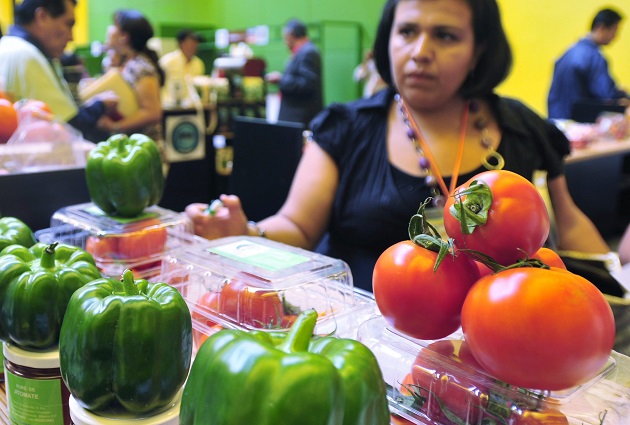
(135, 245)
(241, 303)
(12, 114)
(524, 317)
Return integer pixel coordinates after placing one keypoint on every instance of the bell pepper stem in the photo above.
(300, 334)
(129, 283)
(47, 260)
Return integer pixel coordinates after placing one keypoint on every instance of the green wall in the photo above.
(341, 29)
(159, 12)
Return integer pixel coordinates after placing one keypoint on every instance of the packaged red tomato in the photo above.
(441, 382)
(254, 283)
(116, 243)
(498, 213)
(27, 108)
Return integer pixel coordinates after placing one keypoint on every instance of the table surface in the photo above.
(599, 149)
(585, 409)
(4, 414)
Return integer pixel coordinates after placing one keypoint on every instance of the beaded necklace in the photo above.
(426, 161)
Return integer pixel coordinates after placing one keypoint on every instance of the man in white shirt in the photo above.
(180, 66)
(30, 66)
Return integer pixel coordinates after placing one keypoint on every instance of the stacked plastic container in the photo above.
(439, 382)
(251, 283)
(138, 243)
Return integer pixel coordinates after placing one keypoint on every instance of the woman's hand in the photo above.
(105, 123)
(226, 220)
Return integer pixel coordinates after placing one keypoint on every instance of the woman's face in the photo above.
(432, 50)
(118, 39)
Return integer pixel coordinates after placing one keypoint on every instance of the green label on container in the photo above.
(97, 212)
(259, 255)
(34, 401)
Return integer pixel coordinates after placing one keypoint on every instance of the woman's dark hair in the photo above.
(495, 55)
(140, 31)
(24, 12)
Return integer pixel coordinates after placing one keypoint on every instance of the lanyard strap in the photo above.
(429, 155)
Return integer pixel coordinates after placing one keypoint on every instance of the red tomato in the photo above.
(143, 243)
(546, 255)
(151, 239)
(245, 306)
(462, 391)
(43, 130)
(415, 300)
(483, 269)
(538, 329)
(449, 370)
(105, 248)
(208, 304)
(517, 218)
(550, 258)
(32, 108)
(8, 120)
(147, 271)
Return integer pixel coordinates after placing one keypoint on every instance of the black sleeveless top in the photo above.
(375, 200)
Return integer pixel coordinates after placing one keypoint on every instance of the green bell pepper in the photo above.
(124, 174)
(36, 284)
(14, 231)
(125, 344)
(262, 378)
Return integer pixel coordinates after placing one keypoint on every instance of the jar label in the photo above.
(34, 401)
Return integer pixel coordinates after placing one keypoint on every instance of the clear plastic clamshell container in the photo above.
(439, 382)
(117, 243)
(253, 283)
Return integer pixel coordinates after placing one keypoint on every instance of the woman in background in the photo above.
(128, 38)
(363, 176)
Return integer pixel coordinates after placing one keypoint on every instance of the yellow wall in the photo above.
(80, 29)
(540, 31)
(6, 14)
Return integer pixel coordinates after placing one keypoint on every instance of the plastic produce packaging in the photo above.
(137, 243)
(253, 283)
(439, 382)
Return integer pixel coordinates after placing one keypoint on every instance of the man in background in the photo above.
(581, 74)
(181, 65)
(301, 83)
(30, 65)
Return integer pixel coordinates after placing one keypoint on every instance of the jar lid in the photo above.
(36, 359)
(82, 416)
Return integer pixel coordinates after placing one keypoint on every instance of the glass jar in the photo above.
(168, 415)
(35, 391)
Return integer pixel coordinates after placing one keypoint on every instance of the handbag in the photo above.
(596, 268)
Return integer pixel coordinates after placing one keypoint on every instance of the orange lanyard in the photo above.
(429, 155)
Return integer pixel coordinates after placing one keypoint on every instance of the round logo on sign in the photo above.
(185, 137)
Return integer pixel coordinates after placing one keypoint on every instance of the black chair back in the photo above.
(266, 156)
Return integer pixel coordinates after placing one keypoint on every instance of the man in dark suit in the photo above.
(301, 83)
